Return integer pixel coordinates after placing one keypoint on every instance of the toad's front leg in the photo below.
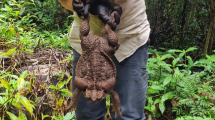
(116, 103)
(74, 100)
(84, 27)
(111, 35)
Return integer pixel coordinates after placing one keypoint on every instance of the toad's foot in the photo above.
(116, 103)
(73, 103)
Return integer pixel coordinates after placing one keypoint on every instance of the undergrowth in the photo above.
(177, 83)
(26, 25)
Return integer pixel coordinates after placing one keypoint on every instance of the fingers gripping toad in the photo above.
(95, 71)
(101, 8)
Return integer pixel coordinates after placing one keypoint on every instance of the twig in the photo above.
(49, 67)
(40, 102)
(3, 64)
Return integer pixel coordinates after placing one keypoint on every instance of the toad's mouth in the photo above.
(94, 96)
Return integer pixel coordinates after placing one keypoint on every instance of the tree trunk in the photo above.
(211, 31)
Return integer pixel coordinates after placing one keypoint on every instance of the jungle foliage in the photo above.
(181, 24)
(181, 66)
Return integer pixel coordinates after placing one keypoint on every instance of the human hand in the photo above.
(104, 12)
(82, 6)
(103, 9)
(78, 7)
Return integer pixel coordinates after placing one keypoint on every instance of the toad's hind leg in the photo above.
(81, 83)
(74, 100)
(116, 103)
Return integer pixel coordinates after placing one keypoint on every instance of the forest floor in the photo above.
(47, 66)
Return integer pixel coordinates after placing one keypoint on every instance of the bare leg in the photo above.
(74, 99)
(116, 103)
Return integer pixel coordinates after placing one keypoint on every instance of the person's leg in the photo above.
(131, 85)
(86, 110)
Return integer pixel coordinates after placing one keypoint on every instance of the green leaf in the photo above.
(3, 22)
(60, 117)
(2, 16)
(198, 118)
(46, 32)
(14, 76)
(24, 74)
(10, 52)
(166, 66)
(72, 16)
(5, 84)
(162, 107)
(12, 32)
(66, 91)
(22, 116)
(167, 96)
(69, 116)
(210, 58)
(60, 102)
(61, 85)
(1, 100)
(181, 55)
(40, 15)
(12, 116)
(52, 87)
(153, 108)
(21, 83)
(148, 108)
(166, 56)
(44, 116)
(167, 80)
(175, 61)
(174, 50)
(157, 101)
(14, 1)
(56, 118)
(177, 72)
(158, 56)
(190, 61)
(157, 87)
(69, 78)
(16, 104)
(191, 49)
(8, 8)
(27, 104)
(181, 118)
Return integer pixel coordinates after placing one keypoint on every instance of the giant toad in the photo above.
(95, 73)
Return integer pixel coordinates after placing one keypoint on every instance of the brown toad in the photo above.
(95, 71)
